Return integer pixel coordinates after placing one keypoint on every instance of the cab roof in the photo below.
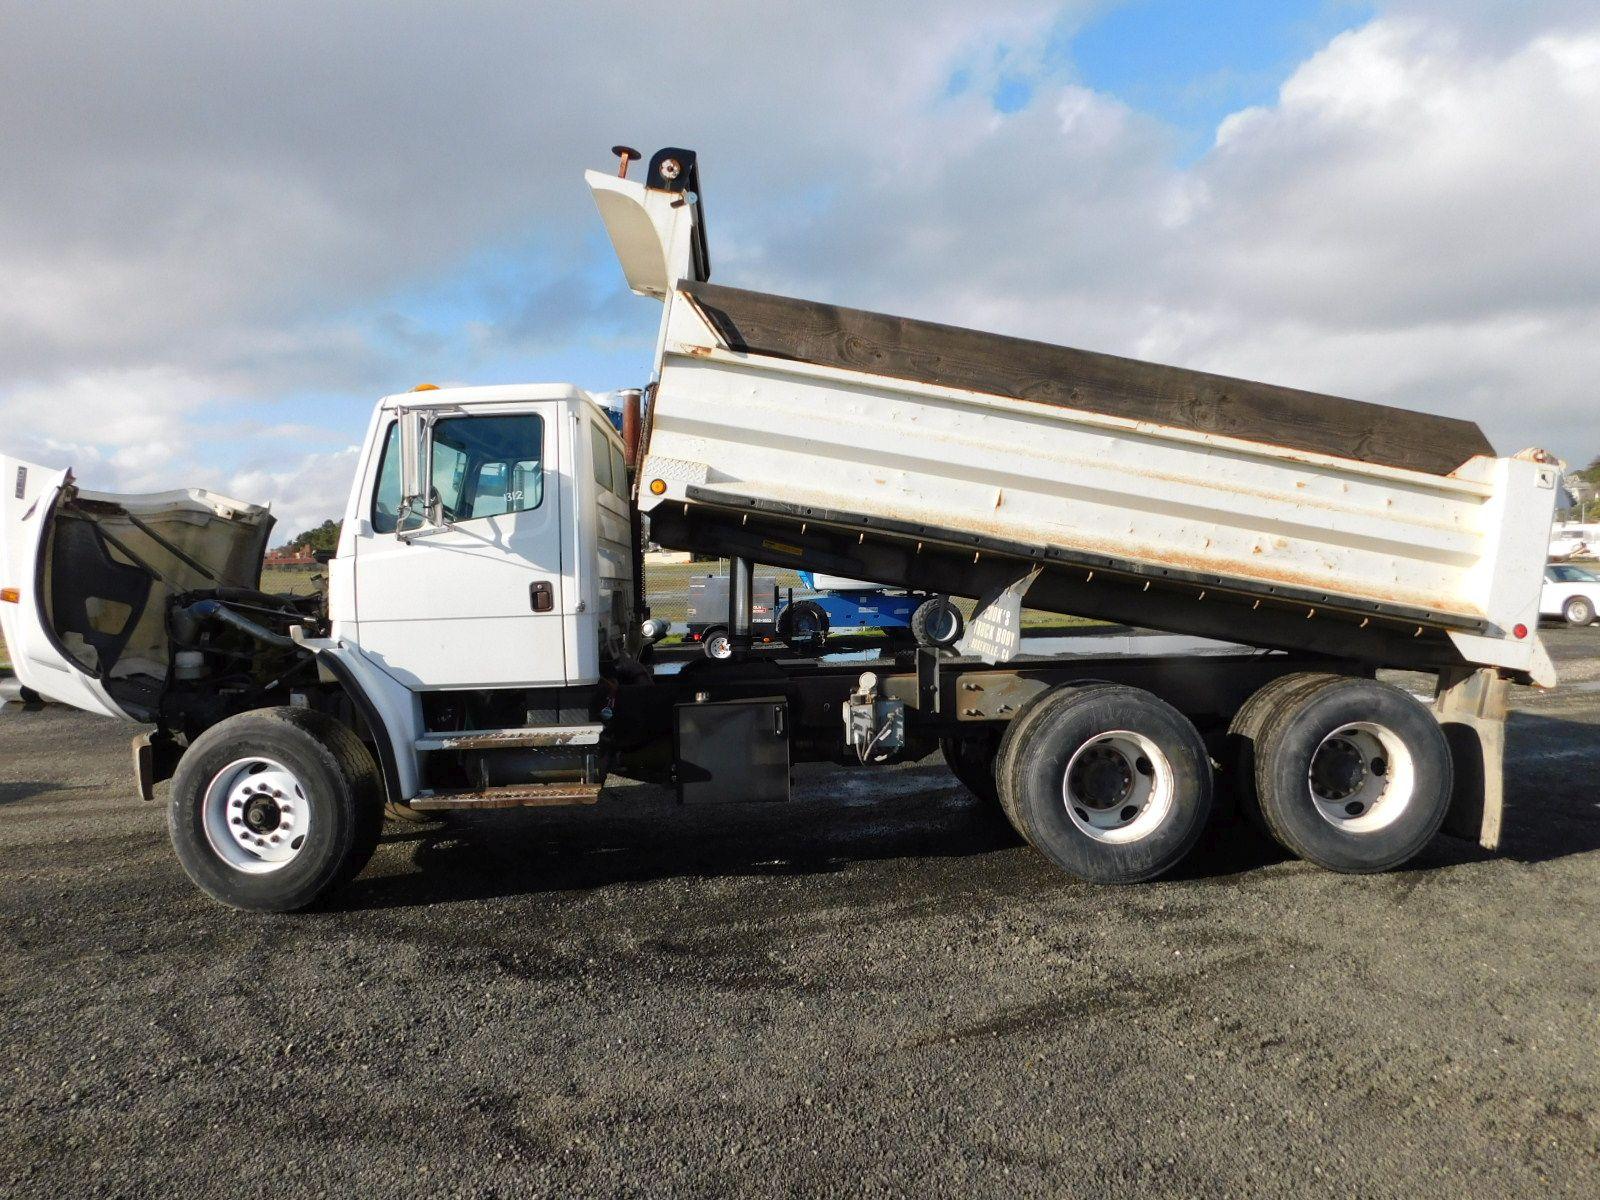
(503, 393)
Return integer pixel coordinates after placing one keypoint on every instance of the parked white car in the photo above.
(1570, 592)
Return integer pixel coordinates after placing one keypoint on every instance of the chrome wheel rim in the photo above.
(1118, 787)
(256, 815)
(1362, 777)
(719, 646)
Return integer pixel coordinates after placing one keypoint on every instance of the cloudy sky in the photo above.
(226, 229)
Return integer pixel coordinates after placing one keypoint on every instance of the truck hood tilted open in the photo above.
(87, 577)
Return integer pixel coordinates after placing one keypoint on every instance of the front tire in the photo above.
(273, 810)
(1579, 610)
(1109, 782)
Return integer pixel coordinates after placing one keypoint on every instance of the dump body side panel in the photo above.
(1358, 513)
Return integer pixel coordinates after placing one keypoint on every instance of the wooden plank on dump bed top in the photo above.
(948, 356)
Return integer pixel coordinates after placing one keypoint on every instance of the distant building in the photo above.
(289, 556)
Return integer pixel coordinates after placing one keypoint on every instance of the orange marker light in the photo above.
(657, 486)
(11, 595)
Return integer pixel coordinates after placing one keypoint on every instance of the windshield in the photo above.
(1565, 574)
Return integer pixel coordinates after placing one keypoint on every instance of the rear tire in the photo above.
(1579, 610)
(1245, 729)
(971, 759)
(937, 622)
(273, 810)
(1351, 774)
(1109, 782)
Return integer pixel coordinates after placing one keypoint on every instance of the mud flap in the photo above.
(995, 631)
(155, 757)
(1471, 706)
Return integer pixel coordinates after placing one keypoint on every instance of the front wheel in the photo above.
(273, 810)
(1109, 782)
(1579, 611)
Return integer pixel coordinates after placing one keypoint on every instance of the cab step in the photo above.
(533, 736)
(516, 795)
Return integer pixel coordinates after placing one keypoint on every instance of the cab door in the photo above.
(478, 601)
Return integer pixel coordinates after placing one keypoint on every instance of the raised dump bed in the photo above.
(922, 455)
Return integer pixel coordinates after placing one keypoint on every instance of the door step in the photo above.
(516, 795)
(542, 736)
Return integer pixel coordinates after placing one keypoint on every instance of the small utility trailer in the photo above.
(829, 604)
(481, 642)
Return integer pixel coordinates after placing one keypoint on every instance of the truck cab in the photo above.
(514, 565)
(514, 569)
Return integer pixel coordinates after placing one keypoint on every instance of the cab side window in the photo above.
(600, 453)
(482, 467)
(485, 466)
(619, 473)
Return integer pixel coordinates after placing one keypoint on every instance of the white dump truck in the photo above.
(482, 641)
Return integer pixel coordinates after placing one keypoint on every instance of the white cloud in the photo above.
(202, 214)
(304, 490)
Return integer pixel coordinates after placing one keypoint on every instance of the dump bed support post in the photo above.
(1471, 706)
(741, 596)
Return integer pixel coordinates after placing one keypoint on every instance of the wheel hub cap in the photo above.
(256, 815)
(1361, 777)
(1118, 787)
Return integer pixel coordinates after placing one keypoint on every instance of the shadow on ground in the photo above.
(640, 833)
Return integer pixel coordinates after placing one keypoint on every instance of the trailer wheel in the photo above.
(804, 627)
(1579, 611)
(937, 622)
(1352, 774)
(1109, 782)
(717, 644)
(274, 809)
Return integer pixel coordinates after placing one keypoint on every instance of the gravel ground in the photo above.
(864, 992)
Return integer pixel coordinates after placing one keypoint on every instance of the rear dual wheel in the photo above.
(1351, 774)
(1109, 782)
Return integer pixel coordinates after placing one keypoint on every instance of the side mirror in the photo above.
(413, 461)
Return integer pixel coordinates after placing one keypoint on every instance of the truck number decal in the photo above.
(513, 497)
(22, 481)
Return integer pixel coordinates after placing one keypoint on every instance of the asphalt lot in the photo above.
(864, 992)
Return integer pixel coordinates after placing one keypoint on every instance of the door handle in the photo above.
(542, 596)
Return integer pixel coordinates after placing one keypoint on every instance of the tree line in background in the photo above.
(324, 537)
(1584, 487)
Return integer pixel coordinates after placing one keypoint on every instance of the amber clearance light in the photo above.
(11, 595)
(657, 486)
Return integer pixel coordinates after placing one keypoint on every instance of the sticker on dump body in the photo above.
(995, 633)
